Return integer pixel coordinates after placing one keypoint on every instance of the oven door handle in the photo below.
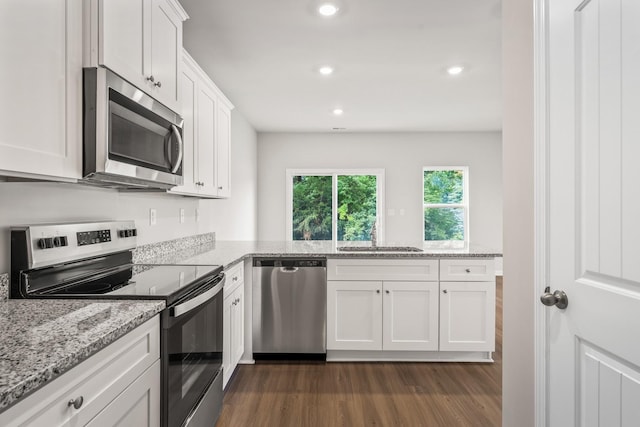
(197, 301)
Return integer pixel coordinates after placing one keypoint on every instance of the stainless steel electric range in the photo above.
(94, 260)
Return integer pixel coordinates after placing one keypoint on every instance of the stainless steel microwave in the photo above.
(130, 140)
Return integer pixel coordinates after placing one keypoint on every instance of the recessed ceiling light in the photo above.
(328, 9)
(455, 70)
(326, 70)
(338, 111)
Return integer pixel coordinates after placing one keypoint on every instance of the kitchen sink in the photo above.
(379, 249)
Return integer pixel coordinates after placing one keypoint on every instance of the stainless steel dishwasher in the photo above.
(289, 308)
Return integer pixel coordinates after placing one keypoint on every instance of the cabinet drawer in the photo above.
(234, 277)
(467, 270)
(98, 381)
(382, 269)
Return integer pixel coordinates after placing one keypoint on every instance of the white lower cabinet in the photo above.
(467, 316)
(415, 311)
(410, 316)
(370, 315)
(120, 385)
(233, 321)
(354, 315)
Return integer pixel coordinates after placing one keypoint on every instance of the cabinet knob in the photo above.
(377, 291)
(234, 279)
(468, 270)
(151, 79)
(387, 291)
(219, 188)
(444, 291)
(158, 84)
(76, 403)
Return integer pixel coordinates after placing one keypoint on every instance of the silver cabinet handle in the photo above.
(158, 84)
(151, 79)
(219, 188)
(180, 149)
(235, 279)
(76, 403)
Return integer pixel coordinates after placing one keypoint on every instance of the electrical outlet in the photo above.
(401, 212)
(197, 214)
(391, 212)
(181, 216)
(152, 217)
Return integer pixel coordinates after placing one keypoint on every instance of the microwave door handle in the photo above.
(176, 132)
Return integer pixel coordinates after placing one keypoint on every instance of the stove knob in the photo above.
(64, 241)
(56, 242)
(134, 232)
(122, 233)
(42, 244)
(129, 233)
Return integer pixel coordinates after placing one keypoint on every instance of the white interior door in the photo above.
(594, 212)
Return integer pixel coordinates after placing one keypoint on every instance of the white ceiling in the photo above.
(390, 59)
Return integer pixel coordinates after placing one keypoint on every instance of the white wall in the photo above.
(403, 156)
(519, 298)
(235, 218)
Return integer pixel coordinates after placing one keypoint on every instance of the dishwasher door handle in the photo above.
(288, 269)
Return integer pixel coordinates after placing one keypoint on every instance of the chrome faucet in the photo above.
(374, 235)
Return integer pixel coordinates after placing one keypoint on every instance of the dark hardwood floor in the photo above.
(368, 394)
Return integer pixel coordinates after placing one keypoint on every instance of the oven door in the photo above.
(192, 354)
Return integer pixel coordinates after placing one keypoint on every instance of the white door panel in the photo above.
(594, 211)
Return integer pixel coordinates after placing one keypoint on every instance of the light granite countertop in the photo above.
(227, 253)
(42, 339)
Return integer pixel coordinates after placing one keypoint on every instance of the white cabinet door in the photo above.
(138, 405)
(233, 331)
(205, 140)
(467, 316)
(223, 151)
(125, 45)
(141, 40)
(410, 316)
(237, 327)
(41, 87)
(354, 315)
(189, 95)
(166, 52)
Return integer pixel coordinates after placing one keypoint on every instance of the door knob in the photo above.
(557, 298)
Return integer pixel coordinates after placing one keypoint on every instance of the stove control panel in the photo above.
(53, 242)
(43, 245)
(93, 237)
(131, 232)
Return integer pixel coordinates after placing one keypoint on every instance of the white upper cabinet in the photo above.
(141, 40)
(207, 134)
(41, 87)
(223, 149)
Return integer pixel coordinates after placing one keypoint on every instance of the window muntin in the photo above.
(445, 205)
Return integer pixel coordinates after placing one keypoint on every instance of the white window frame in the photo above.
(464, 205)
(380, 178)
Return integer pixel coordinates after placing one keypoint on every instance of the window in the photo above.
(336, 205)
(446, 207)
